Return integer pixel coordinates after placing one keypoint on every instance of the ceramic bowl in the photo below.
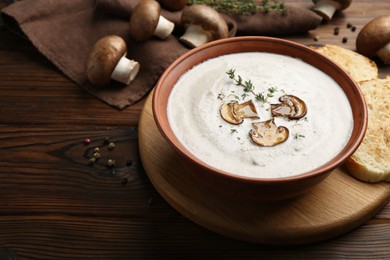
(246, 187)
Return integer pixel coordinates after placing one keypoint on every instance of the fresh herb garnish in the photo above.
(245, 7)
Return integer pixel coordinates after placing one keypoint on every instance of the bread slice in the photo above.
(371, 161)
(359, 67)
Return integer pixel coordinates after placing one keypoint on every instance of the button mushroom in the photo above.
(235, 113)
(326, 8)
(290, 106)
(266, 133)
(173, 5)
(374, 39)
(203, 24)
(146, 21)
(107, 60)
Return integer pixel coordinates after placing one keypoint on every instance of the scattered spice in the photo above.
(349, 25)
(345, 40)
(111, 146)
(336, 31)
(316, 38)
(110, 163)
(96, 149)
(96, 155)
(91, 161)
(87, 141)
(353, 28)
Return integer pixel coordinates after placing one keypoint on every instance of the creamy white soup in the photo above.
(196, 99)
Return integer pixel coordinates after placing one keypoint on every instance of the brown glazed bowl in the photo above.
(246, 187)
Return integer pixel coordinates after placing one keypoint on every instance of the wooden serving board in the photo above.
(335, 206)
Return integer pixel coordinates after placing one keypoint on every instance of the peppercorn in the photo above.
(106, 140)
(345, 39)
(111, 146)
(110, 163)
(349, 25)
(96, 155)
(336, 31)
(316, 38)
(91, 161)
(87, 141)
(96, 150)
(353, 28)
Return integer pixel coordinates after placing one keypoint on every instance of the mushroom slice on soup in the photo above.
(266, 133)
(226, 111)
(245, 110)
(290, 106)
(235, 113)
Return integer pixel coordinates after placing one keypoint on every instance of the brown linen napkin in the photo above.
(64, 31)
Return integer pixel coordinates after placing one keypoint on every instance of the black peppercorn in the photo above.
(345, 39)
(353, 28)
(336, 30)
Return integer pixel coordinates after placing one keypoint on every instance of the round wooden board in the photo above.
(337, 205)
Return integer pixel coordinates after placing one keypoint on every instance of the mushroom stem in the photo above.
(195, 36)
(164, 27)
(326, 8)
(384, 53)
(125, 71)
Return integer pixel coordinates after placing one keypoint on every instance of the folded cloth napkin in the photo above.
(65, 31)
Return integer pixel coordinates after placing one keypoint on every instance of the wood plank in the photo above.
(46, 171)
(59, 237)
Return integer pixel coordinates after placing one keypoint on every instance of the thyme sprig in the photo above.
(245, 7)
(249, 87)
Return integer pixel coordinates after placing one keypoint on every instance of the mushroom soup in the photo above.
(260, 115)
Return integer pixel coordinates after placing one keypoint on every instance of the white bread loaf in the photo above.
(371, 161)
(359, 67)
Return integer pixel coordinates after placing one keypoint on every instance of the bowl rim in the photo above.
(336, 161)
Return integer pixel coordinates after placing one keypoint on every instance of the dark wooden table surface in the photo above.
(53, 205)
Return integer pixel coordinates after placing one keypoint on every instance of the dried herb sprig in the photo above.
(245, 7)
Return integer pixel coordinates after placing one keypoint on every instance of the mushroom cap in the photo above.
(344, 4)
(173, 5)
(144, 20)
(373, 36)
(103, 58)
(206, 17)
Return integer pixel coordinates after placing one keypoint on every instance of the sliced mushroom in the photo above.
(374, 39)
(107, 60)
(245, 110)
(290, 106)
(146, 21)
(235, 113)
(226, 111)
(203, 24)
(326, 8)
(266, 133)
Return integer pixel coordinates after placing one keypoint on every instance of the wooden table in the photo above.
(53, 205)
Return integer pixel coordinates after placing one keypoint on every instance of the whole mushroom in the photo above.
(374, 39)
(107, 60)
(173, 5)
(203, 24)
(326, 8)
(146, 21)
